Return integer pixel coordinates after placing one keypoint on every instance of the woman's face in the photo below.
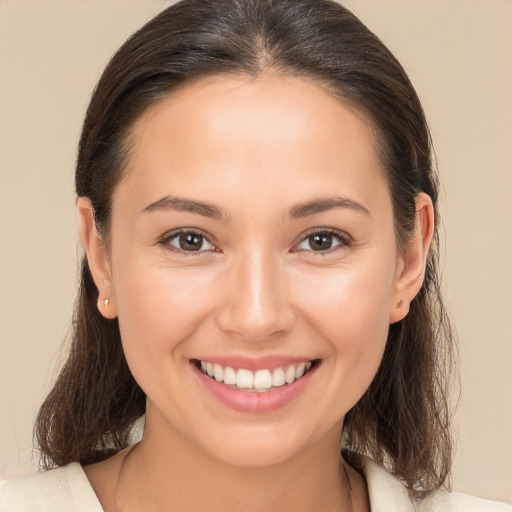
(253, 232)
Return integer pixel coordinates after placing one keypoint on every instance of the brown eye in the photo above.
(189, 241)
(322, 241)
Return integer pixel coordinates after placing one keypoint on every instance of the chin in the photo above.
(258, 447)
(255, 455)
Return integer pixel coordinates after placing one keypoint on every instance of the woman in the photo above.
(257, 207)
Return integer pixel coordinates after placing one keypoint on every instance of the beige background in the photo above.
(458, 54)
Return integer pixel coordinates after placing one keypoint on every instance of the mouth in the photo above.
(259, 381)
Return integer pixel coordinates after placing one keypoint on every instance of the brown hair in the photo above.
(402, 420)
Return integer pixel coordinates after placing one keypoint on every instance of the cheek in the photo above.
(347, 303)
(348, 313)
(158, 309)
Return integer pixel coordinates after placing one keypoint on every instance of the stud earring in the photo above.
(400, 303)
(106, 302)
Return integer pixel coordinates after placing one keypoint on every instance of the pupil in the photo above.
(191, 242)
(321, 242)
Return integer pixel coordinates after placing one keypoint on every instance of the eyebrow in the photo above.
(322, 205)
(210, 210)
(187, 205)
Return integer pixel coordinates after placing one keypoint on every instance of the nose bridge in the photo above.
(256, 303)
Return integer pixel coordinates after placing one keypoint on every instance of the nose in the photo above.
(255, 303)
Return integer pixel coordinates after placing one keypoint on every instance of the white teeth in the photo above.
(278, 377)
(261, 380)
(299, 372)
(229, 376)
(218, 372)
(289, 374)
(244, 379)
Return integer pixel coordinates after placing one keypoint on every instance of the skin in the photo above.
(255, 148)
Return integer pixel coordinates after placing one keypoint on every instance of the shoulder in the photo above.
(464, 503)
(456, 502)
(387, 493)
(59, 490)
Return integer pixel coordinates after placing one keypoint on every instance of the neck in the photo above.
(176, 475)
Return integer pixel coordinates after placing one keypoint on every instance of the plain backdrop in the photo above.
(458, 55)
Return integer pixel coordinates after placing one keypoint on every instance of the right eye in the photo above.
(188, 241)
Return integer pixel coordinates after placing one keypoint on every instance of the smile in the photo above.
(258, 381)
(272, 383)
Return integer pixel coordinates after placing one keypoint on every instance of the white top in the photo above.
(67, 489)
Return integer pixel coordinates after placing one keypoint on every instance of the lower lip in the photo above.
(255, 402)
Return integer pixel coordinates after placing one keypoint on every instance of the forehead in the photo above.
(252, 135)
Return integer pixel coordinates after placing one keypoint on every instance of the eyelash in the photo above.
(343, 239)
(165, 242)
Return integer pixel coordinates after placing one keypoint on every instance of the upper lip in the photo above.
(255, 363)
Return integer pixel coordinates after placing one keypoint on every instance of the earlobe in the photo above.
(411, 270)
(97, 259)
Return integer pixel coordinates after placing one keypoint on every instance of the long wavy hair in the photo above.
(402, 421)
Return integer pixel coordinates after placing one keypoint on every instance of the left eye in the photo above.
(189, 241)
(320, 242)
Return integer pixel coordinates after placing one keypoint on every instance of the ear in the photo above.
(96, 253)
(411, 266)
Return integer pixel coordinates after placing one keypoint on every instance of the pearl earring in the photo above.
(106, 302)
